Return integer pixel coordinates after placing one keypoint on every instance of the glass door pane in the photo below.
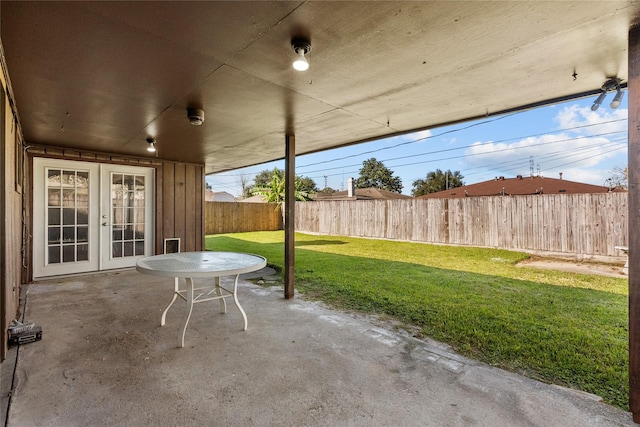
(127, 215)
(90, 216)
(67, 216)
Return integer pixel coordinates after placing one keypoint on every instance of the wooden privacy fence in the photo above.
(587, 224)
(231, 217)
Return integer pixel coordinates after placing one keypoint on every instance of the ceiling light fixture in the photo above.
(598, 101)
(617, 99)
(301, 47)
(610, 85)
(195, 115)
(152, 145)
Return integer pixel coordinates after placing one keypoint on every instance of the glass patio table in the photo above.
(191, 265)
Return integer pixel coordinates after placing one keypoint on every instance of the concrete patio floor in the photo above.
(104, 360)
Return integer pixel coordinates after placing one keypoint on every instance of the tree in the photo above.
(265, 177)
(437, 181)
(244, 185)
(375, 174)
(275, 190)
(618, 179)
(307, 184)
(327, 190)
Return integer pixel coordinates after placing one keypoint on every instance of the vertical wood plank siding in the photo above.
(189, 203)
(588, 224)
(11, 237)
(167, 211)
(180, 206)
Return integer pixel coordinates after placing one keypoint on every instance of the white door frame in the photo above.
(96, 250)
(108, 222)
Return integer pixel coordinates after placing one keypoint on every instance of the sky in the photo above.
(568, 138)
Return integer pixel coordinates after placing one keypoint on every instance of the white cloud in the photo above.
(423, 135)
(583, 121)
(588, 176)
(578, 148)
(523, 148)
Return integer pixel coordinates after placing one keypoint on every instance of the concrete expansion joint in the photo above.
(434, 355)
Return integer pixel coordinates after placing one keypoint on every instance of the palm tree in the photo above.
(275, 190)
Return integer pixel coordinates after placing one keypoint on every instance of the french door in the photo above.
(90, 217)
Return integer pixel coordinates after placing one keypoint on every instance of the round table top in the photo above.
(200, 264)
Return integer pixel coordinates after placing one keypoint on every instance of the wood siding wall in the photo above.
(179, 195)
(230, 217)
(10, 217)
(586, 224)
(180, 205)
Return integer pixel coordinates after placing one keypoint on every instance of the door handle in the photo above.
(104, 224)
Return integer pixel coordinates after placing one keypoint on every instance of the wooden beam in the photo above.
(289, 215)
(7, 309)
(634, 222)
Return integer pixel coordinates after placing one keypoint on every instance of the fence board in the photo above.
(231, 217)
(587, 224)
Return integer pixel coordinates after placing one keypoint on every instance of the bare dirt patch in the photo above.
(612, 270)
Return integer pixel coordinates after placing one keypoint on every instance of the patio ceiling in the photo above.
(104, 76)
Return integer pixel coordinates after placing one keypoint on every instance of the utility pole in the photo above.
(531, 165)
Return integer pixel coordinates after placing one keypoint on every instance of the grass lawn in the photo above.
(563, 328)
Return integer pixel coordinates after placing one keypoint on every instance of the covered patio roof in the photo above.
(104, 76)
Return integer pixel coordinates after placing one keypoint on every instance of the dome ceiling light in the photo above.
(301, 47)
(195, 115)
(152, 145)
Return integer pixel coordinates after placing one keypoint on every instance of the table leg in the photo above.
(175, 295)
(223, 303)
(235, 299)
(187, 313)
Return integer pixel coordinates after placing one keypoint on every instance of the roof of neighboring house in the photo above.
(517, 187)
(218, 196)
(362, 194)
(258, 198)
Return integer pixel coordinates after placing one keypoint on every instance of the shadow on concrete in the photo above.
(105, 360)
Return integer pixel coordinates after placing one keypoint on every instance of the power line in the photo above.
(451, 131)
(523, 161)
(486, 153)
(582, 159)
(416, 140)
(586, 158)
(458, 148)
(469, 155)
